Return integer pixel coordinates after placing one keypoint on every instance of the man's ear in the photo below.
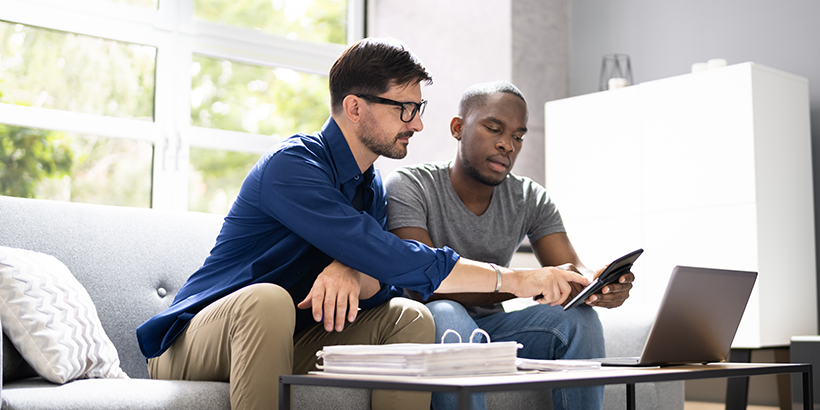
(351, 106)
(456, 126)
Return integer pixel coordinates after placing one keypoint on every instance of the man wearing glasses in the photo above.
(305, 246)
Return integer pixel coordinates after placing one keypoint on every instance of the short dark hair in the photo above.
(372, 66)
(477, 94)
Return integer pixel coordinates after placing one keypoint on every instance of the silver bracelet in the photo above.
(497, 278)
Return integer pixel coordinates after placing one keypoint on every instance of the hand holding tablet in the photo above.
(615, 270)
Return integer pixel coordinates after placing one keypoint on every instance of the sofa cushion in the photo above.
(116, 394)
(50, 318)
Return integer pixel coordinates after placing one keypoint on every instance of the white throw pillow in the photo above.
(50, 318)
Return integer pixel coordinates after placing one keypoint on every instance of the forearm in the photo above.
(469, 276)
(550, 284)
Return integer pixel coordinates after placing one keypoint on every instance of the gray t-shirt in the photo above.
(422, 196)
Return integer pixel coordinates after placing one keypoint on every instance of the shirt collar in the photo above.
(343, 158)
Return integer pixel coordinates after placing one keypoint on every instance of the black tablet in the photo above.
(615, 270)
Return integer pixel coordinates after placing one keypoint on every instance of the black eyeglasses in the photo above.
(408, 109)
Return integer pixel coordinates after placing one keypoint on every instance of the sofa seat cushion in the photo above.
(116, 394)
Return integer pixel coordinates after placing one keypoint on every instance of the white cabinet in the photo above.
(710, 169)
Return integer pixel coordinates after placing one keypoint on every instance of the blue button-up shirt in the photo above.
(293, 216)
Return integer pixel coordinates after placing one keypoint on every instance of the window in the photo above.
(66, 71)
(229, 95)
(308, 20)
(78, 168)
(163, 104)
(234, 96)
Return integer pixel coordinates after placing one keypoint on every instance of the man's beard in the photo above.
(388, 148)
(473, 173)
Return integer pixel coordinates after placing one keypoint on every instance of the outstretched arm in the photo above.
(556, 249)
(472, 283)
(548, 285)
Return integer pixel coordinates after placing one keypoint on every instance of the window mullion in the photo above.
(56, 120)
(261, 49)
(356, 20)
(172, 116)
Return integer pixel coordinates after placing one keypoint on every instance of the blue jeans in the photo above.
(547, 332)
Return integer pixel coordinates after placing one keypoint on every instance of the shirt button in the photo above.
(356, 177)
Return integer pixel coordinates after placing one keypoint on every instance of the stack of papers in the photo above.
(412, 359)
(556, 365)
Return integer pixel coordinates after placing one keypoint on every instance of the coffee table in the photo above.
(465, 386)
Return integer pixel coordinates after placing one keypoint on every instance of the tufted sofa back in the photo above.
(131, 261)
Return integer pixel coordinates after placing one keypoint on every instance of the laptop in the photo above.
(697, 319)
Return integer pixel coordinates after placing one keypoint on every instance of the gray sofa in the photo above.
(132, 262)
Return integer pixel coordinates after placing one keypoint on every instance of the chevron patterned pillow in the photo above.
(50, 318)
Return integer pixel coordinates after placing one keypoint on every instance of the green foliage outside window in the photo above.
(72, 72)
(64, 71)
(29, 156)
(79, 168)
(215, 178)
(321, 21)
(109, 171)
(246, 98)
(256, 99)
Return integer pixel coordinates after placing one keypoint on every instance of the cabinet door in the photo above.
(697, 140)
(698, 174)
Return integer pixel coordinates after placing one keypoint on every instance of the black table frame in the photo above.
(464, 387)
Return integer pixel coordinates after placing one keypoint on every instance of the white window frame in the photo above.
(177, 35)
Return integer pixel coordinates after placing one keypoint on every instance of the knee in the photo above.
(413, 320)
(446, 307)
(578, 322)
(261, 302)
(588, 326)
(586, 320)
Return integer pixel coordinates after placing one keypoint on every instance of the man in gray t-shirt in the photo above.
(474, 205)
(423, 197)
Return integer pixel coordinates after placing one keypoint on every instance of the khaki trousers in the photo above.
(246, 338)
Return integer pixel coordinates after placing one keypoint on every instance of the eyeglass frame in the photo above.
(419, 107)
